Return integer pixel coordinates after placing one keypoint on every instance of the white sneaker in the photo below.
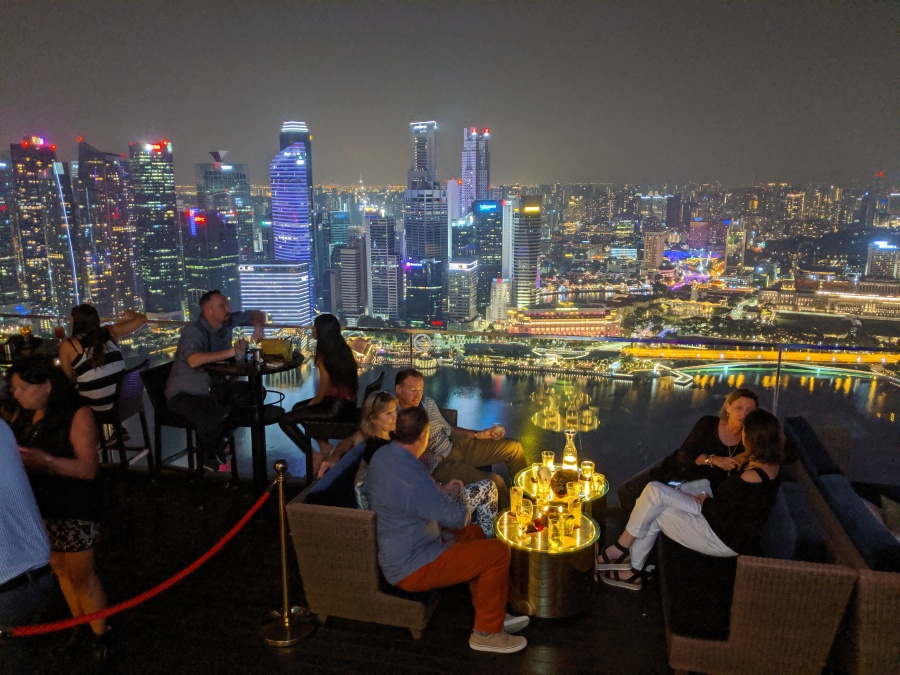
(500, 643)
(513, 624)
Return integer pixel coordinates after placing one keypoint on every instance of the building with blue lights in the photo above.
(281, 288)
(211, 256)
(476, 168)
(225, 189)
(487, 215)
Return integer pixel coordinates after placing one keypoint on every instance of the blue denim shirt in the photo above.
(195, 338)
(410, 512)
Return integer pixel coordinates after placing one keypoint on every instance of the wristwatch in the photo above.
(709, 460)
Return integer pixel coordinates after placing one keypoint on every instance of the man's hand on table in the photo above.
(240, 347)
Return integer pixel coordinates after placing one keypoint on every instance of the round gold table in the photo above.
(546, 581)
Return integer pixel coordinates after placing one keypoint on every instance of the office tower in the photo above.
(673, 212)
(452, 190)
(353, 280)
(211, 256)
(488, 219)
(425, 228)
(339, 227)
(883, 260)
(462, 237)
(526, 252)
(653, 207)
(462, 292)
(793, 205)
(422, 164)
(225, 188)
(499, 304)
(281, 289)
(290, 215)
(654, 249)
(735, 247)
(156, 221)
(46, 226)
(9, 278)
(476, 168)
(385, 288)
(108, 233)
(698, 238)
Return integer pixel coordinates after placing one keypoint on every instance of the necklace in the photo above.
(731, 449)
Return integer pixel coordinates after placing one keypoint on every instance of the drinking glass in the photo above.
(545, 476)
(549, 458)
(515, 498)
(554, 535)
(587, 469)
(575, 511)
(524, 515)
(542, 505)
(597, 481)
(573, 489)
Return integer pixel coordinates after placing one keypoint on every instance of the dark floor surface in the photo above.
(209, 622)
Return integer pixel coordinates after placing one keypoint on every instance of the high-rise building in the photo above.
(462, 292)
(425, 228)
(290, 215)
(46, 225)
(525, 264)
(225, 188)
(281, 288)
(735, 247)
(488, 219)
(499, 304)
(211, 256)
(476, 168)
(384, 267)
(339, 227)
(353, 279)
(9, 278)
(883, 260)
(698, 238)
(462, 237)
(454, 210)
(109, 236)
(654, 248)
(422, 164)
(156, 221)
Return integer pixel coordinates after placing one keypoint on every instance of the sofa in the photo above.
(337, 552)
(869, 637)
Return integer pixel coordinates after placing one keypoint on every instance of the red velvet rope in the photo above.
(42, 628)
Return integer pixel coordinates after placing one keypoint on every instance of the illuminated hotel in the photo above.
(45, 225)
(153, 184)
(281, 289)
(565, 321)
(525, 251)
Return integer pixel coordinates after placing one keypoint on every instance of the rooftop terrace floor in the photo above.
(209, 622)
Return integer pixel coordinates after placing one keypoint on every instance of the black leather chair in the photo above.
(372, 387)
(155, 383)
(129, 401)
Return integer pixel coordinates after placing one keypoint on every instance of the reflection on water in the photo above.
(639, 423)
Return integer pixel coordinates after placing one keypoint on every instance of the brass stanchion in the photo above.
(293, 623)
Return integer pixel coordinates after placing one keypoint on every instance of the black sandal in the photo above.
(632, 583)
(603, 562)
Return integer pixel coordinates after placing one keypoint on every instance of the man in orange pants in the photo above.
(416, 555)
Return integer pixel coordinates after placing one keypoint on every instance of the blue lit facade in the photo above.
(281, 289)
(487, 215)
(291, 231)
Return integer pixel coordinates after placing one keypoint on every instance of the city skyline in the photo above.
(572, 91)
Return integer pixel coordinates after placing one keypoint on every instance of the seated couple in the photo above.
(726, 523)
(426, 540)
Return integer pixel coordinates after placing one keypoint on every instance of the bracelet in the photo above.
(709, 459)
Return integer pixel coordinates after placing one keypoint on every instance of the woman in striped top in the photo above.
(91, 357)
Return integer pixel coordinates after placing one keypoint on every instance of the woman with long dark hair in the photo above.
(335, 398)
(91, 357)
(57, 439)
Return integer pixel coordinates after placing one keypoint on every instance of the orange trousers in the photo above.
(483, 563)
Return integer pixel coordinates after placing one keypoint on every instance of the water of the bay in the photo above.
(641, 422)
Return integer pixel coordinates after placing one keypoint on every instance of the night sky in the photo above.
(572, 91)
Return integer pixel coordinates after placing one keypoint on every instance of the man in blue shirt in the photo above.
(416, 554)
(25, 579)
(190, 390)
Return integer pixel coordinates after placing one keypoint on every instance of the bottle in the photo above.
(570, 455)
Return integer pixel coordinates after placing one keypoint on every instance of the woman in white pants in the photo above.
(726, 524)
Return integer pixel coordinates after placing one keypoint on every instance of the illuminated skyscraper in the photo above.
(488, 217)
(699, 234)
(45, 223)
(383, 264)
(462, 292)
(476, 168)
(211, 254)
(462, 237)
(9, 278)
(156, 220)
(525, 263)
(225, 188)
(654, 248)
(425, 227)
(883, 260)
(353, 279)
(108, 233)
(735, 247)
(290, 214)
(281, 288)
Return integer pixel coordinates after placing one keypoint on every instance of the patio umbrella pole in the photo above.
(293, 624)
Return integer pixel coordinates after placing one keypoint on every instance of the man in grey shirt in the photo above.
(191, 391)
